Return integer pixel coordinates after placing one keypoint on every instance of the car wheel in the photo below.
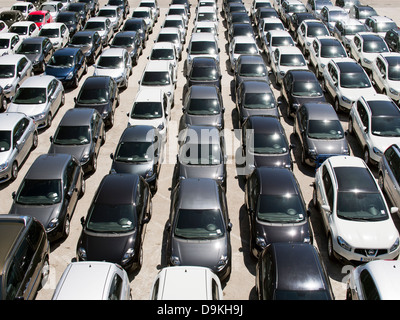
(381, 182)
(35, 140)
(94, 163)
(4, 104)
(111, 120)
(337, 106)
(44, 274)
(85, 70)
(14, 170)
(67, 227)
(350, 129)
(75, 84)
(367, 159)
(103, 137)
(83, 188)
(62, 99)
(49, 120)
(314, 198)
(330, 248)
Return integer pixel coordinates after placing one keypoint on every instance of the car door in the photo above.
(48, 49)
(80, 63)
(97, 132)
(361, 123)
(54, 94)
(64, 35)
(26, 136)
(23, 69)
(392, 173)
(19, 141)
(355, 48)
(331, 80)
(301, 127)
(325, 194)
(314, 55)
(379, 73)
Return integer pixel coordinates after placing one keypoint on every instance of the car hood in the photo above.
(29, 109)
(299, 100)
(76, 151)
(5, 155)
(277, 232)
(33, 56)
(354, 93)
(4, 51)
(323, 146)
(44, 213)
(138, 168)
(199, 171)
(100, 107)
(382, 143)
(199, 120)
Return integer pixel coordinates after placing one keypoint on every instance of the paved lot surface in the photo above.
(241, 283)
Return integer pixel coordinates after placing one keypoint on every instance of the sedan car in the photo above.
(275, 39)
(68, 65)
(355, 216)
(38, 50)
(320, 133)
(39, 97)
(276, 209)
(49, 192)
(116, 63)
(300, 269)
(288, 7)
(18, 136)
(81, 132)
(171, 35)
(115, 225)
(250, 67)
(25, 7)
(375, 121)
(166, 51)
(82, 9)
(145, 14)
(25, 29)
(103, 26)
(129, 40)
(199, 227)
(345, 30)
(102, 94)
(40, 18)
(308, 31)
(114, 13)
(14, 70)
(72, 20)
(331, 14)
(389, 175)
(176, 21)
(204, 71)
(139, 152)
(9, 43)
(89, 42)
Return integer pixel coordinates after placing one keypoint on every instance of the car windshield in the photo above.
(113, 218)
(296, 8)
(243, 31)
(147, 110)
(134, 151)
(39, 192)
(174, 23)
(168, 37)
(361, 206)
(317, 31)
(307, 89)
(203, 47)
(259, 101)
(292, 60)
(89, 96)
(286, 208)
(141, 14)
(30, 96)
(282, 41)
(156, 78)
(21, 30)
(242, 48)
(72, 135)
(354, 80)
(5, 140)
(320, 4)
(204, 29)
(204, 73)
(95, 25)
(366, 12)
(35, 18)
(388, 126)
(162, 54)
(61, 61)
(19, 8)
(7, 71)
(252, 70)
(132, 26)
(352, 30)
(206, 16)
(261, 143)
(199, 224)
(50, 33)
(123, 42)
(273, 26)
(110, 62)
(4, 43)
(81, 40)
(325, 129)
(106, 13)
(376, 46)
(335, 51)
(200, 154)
(385, 26)
(338, 15)
(203, 107)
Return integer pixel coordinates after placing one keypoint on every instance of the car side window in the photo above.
(269, 277)
(394, 163)
(316, 47)
(139, 199)
(115, 288)
(214, 290)
(69, 175)
(327, 181)
(362, 113)
(24, 256)
(18, 131)
(369, 289)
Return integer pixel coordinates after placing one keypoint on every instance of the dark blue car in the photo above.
(68, 65)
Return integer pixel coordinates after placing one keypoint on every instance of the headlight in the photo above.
(367, 61)
(52, 224)
(8, 86)
(69, 76)
(223, 260)
(393, 91)
(82, 253)
(149, 173)
(395, 245)
(128, 256)
(282, 73)
(39, 116)
(260, 241)
(343, 244)
(175, 261)
(4, 166)
(85, 158)
(345, 99)
(377, 151)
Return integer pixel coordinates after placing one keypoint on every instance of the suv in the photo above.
(345, 30)
(24, 257)
(380, 24)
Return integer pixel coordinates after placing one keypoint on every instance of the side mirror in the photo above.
(326, 207)
(111, 156)
(82, 221)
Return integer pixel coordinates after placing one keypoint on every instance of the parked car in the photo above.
(145, 14)
(25, 7)
(240, 29)
(315, 6)
(178, 283)
(171, 35)
(102, 94)
(72, 20)
(138, 25)
(93, 280)
(275, 39)
(16, 235)
(57, 32)
(331, 14)
(103, 26)
(250, 67)
(345, 30)
(131, 42)
(54, 7)
(241, 45)
(347, 4)
(9, 43)
(25, 29)
(205, 26)
(122, 4)
(320, 133)
(11, 16)
(362, 12)
(49, 192)
(207, 14)
(301, 271)
(354, 213)
(276, 209)
(375, 121)
(296, 19)
(198, 224)
(288, 7)
(93, 6)
(82, 9)
(18, 137)
(114, 13)
(176, 21)
(39, 97)
(166, 51)
(380, 24)
(255, 5)
(14, 70)
(153, 5)
(89, 42)
(392, 38)
(308, 31)
(269, 24)
(39, 17)
(203, 71)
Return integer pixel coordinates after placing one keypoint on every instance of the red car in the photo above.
(40, 17)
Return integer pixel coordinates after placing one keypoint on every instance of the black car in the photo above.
(239, 17)
(240, 29)
(276, 208)
(39, 50)
(299, 87)
(71, 19)
(102, 94)
(204, 71)
(123, 4)
(392, 38)
(255, 97)
(264, 12)
(82, 9)
(296, 19)
(93, 6)
(11, 16)
(139, 152)
(89, 42)
(129, 40)
(250, 67)
(115, 224)
(300, 269)
(138, 25)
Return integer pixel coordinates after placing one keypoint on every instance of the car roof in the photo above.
(117, 188)
(368, 36)
(157, 65)
(256, 86)
(77, 117)
(169, 30)
(102, 19)
(66, 51)
(139, 133)
(350, 22)
(149, 94)
(9, 119)
(244, 39)
(203, 36)
(48, 166)
(96, 82)
(302, 75)
(203, 92)
(266, 124)
(288, 50)
(320, 111)
(328, 40)
(23, 23)
(204, 61)
(347, 65)
(380, 18)
(199, 193)
(52, 25)
(279, 33)
(113, 52)
(85, 33)
(39, 81)
(7, 35)
(276, 181)
(383, 109)
(251, 59)
(163, 45)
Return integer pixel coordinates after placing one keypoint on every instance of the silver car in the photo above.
(39, 97)
(14, 69)
(103, 26)
(114, 13)
(389, 174)
(18, 136)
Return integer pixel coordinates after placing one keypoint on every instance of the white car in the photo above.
(103, 26)
(355, 216)
(375, 121)
(3, 27)
(258, 4)
(159, 74)
(380, 24)
(267, 24)
(166, 51)
(176, 21)
(151, 107)
(181, 10)
(331, 14)
(205, 26)
(25, 29)
(241, 45)
(116, 63)
(288, 7)
(14, 70)
(93, 280)
(114, 13)
(385, 74)
(275, 39)
(9, 43)
(57, 32)
(345, 30)
(345, 81)
(307, 31)
(54, 7)
(171, 35)
(207, 14)
(314, 6)
(322, 50)
(285, 59)
(145, 14)
(374, 280)
(186, 283)
(24, 6)
(366, 46)
(153, 5)
(201, 45)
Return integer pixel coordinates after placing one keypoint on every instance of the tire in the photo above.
(366, 156)
(49, 120)
(94, 163)
(381, 182)
(66, 227)
(337, 106)
(350, 129)
(62, 99)
(330, 249)
(14, 171)
(35, 141)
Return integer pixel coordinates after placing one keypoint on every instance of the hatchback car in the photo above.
(299, 87)
(380, 24)
(38, 50)
(204, 71)
(166, 51)
(40, 17)
(14, 70)
(114, 13)
(39, 97)
(250, 67)
(288, 7)
(115, 225)
(139, 151)
(9, 43)
(81, 133)
(392, 38)
(72, 20)
(300, 269)
(57, 32)
(50, 192)
(176, 21)
(308, 31)
(54, 7)
(68, 65)
(320, 133)
(354, 213)
(199, 227)
(275, 39)
(18, 137)
(241, 45)
(90, 44)
(25, 7)
(24, 29)
(375, 121)
(93, 280)
(103, 26)
(23, 237)
(240, 29)
(145, 14)
(102, 94)
(276, 209)
(131, 42)
(362, 12)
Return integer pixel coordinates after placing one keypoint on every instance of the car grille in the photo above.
(371, 252)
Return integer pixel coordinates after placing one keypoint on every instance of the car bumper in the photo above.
(5, 174)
